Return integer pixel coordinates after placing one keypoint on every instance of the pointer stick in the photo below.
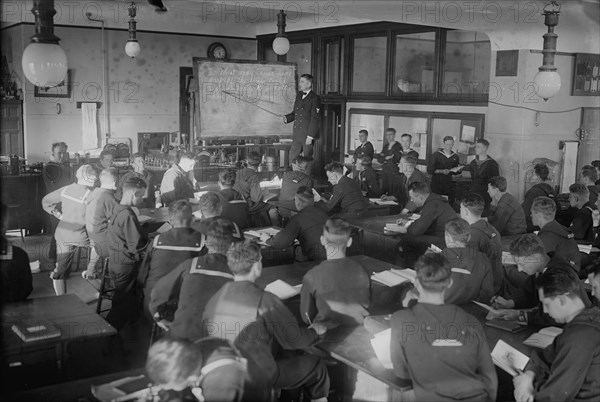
(260, 107)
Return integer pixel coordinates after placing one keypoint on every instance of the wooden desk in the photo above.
(75, 319)
(72, 391)
(372, 239)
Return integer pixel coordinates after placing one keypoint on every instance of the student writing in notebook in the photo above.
(568, 369)
(337, 291)
(306, 226)
(438, 346)
(519, 300)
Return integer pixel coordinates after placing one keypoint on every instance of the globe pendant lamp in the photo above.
(281, 44)
(547, 80)
(132, 47)
(44, 62)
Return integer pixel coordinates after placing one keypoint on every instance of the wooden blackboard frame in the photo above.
(197, 60)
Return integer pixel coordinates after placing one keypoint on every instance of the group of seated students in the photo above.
(197, 280)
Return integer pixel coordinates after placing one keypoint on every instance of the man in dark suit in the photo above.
(306, 117)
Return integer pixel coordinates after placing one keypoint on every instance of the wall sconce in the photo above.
(547, 80)
(281, 44)
(44, 60)
(132, 47)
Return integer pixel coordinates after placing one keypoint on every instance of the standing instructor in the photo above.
(306, 117)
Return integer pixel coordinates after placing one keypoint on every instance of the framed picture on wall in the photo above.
(62, 90)
(586, 75)
(507, 62)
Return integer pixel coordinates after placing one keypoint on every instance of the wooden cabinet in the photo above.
(11, 128)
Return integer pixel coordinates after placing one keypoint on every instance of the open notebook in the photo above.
(543, 338)
(394, 277)
(283, 290)
(508, 358)
(381, 344)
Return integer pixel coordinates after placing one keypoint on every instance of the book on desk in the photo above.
(394, 277)
(31, 332)
(543, 338)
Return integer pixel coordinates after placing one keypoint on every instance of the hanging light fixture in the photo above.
(44, 61)
(547, 80)
(281, 44)
(132, 47)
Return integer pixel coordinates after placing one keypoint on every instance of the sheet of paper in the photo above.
(488, 308)
(378, 201)
(507, 258)
(435, 248)
(144, 218)
(382, 348)
(34, 266)
(164, 228)
(197, 214)
(585, 248)
(283, 290)
(508, 358)
(199, 194)
(543, 338)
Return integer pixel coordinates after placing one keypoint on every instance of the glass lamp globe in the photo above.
(547, 84)
(44, 64)
(132, 48)
(281, 45)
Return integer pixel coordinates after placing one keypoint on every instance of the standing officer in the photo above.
(306, 117)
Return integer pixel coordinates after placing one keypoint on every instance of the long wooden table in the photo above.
(75, 320)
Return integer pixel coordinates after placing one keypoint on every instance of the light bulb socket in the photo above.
(43, 11)
(281, 23)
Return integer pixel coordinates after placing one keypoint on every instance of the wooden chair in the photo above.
(106, 288)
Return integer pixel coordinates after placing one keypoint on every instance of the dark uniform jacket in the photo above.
(185, 291)
(442, 183)
(291, 182)
(126, 239)
(306, 116)
(594, 190)
(436, 212)
(72, 200)
(539, 190)
(472, 277)
(346, 199)
(443, 364)
(415, 177)
(202, 227)
(175, 185)
(486, 239)
(365, 149)
(394, 151)
(247, 183)
(166, 252)
(481, 173)
(527, 296)
(99, 209)
(569, 369)
(257, 322)
(307, 227)
(409, 152)
(508, 217)
(235, 208)
(15, 273)
(336, 292)
(368, 180)
(56, 175)
(561, 241)
(582, 225)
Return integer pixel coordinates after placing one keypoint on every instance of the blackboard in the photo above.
(244, 98)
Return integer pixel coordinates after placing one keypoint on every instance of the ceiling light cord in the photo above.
(105, 94)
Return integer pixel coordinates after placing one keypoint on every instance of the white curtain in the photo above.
(89, 130)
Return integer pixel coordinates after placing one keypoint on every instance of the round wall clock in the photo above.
(217, 51)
